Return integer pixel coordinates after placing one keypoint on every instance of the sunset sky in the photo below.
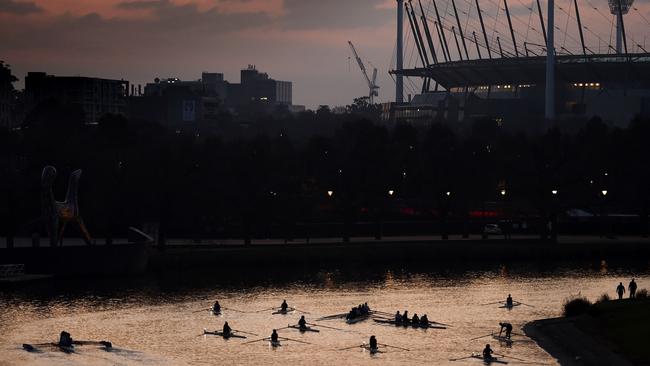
(304, 41)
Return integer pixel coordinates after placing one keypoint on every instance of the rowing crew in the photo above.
(216, 308)
(509, 302)
(487, 353)
(227, 331)
(508, 329)
(404, 319)
(65, 340)
(360, 310)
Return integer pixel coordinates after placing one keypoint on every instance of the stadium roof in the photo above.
(606, 69)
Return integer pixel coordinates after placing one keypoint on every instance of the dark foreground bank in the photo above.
(610, 333)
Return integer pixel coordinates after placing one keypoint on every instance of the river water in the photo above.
(156, 319)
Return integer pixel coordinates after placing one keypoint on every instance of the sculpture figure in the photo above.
(58, 214)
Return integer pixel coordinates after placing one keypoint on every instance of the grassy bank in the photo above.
(626, 325)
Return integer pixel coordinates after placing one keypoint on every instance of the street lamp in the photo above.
(391, 192)
(554, 192)
(448, 193)
(503, 192)
(330, 193)
(604, 192)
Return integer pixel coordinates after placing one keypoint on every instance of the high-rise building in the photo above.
(258, 87)
(95, 96)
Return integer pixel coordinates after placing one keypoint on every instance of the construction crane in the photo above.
(372, 83)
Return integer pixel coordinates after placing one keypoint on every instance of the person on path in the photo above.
(632, 289)
(620, 290)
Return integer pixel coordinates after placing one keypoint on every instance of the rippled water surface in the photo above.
(156, 320)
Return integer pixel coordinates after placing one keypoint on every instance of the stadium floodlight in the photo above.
(624, 6)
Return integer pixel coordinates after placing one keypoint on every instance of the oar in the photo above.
(388, 345)
(31, 347)
(325, 326)
(443, 324)
(294, 340)
(198, 311)
(532, 306)
(258, 340)
(106, 344)
(462, 358)
(241, 331)
(301, 311)
(496, 302)
(334, 316)
(483, 336)
(259, 311)
(514, 358)
(346, 348)
(231, 309)
(380, 312)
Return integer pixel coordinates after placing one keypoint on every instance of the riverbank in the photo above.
(179, 254)
(612, 333)
(423, 249)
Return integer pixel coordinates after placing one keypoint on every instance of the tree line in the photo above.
(282, 170)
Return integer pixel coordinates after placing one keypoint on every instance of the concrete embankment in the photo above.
(612, 332)
(564, 339)
(388, 251)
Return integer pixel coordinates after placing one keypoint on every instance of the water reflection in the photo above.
(155, 316)
(603, 267)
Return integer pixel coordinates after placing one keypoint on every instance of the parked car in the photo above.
(492, 229)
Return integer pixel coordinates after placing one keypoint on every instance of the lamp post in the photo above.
(381, 212)
(603, 216)
(506, 224)
(553, 221)
(444, 213)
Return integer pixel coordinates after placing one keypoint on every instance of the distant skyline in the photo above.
(303, 41)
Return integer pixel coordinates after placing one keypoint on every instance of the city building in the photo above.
(194, 106)
(183, 106)
(7, 97)
(95, 96)
(257, 87)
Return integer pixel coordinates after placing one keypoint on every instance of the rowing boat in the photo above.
(414, 325)
(31, 348)
(303, 330)
(274, 343)
(222, 334)
(490, 360)
(331, 317)
(372, 350)
(506, 306)
(357, 318)
(502, 338)
(283, 312)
